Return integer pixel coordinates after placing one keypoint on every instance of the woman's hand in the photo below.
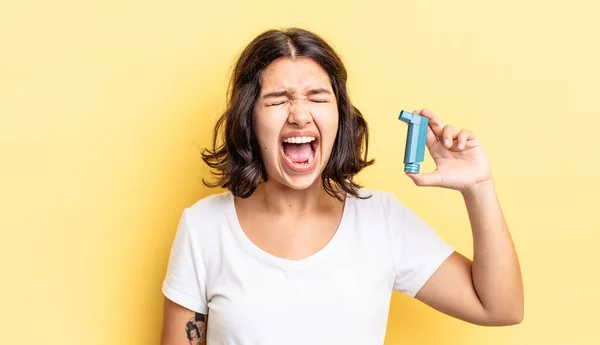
(459, 157)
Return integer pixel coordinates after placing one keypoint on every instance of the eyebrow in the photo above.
(310, 92)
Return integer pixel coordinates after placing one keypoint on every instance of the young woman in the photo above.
(294, 251)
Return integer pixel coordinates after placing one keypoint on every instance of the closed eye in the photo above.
(275, 104)
(283, 102)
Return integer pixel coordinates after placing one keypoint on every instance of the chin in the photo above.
(301, 182)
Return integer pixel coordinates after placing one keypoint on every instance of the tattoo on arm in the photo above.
(195, 329)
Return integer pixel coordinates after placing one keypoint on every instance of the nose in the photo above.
(299, 113)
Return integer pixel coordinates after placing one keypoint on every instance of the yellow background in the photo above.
(104, 105)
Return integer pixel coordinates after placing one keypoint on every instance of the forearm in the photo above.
(496, 272)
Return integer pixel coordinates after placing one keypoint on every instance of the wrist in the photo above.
(479, 189)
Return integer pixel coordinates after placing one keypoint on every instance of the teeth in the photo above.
(299, 140)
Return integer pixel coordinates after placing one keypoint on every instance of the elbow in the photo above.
(515, 317)
(512, 320)
(517, 314)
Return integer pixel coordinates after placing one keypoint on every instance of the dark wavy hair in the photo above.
(237, 162)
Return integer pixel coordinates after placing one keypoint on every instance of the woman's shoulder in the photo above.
(211, 201)
(378, 200)
(373, 197)
(208, 208)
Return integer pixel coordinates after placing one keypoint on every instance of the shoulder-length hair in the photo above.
(237, 163)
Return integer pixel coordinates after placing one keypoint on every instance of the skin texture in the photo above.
(487, 290)
(303, 217)
(296, 96)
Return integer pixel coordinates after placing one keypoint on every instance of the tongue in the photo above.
(298, 153)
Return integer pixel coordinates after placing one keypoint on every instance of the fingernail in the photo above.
(462, 146)
(447, 142)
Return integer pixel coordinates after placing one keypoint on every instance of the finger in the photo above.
(449, 133)
(431, 137)
(464, 136)
(425, 179)
(434, 122)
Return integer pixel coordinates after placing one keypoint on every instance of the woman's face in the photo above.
(295, 121)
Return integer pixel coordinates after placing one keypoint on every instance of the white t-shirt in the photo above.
(339, 295)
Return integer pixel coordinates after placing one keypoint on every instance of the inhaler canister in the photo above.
(414, 153)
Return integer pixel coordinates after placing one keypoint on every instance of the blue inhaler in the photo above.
(414, 152)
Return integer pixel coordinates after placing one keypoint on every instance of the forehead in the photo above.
(299, 73)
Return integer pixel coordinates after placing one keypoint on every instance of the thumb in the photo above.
(425, 179)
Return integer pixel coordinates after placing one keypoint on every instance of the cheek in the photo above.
(267, 128)
(328, 121)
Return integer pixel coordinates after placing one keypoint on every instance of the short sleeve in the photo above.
(418, 249)
(185, 282)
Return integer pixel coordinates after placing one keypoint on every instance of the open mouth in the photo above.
(299, 152)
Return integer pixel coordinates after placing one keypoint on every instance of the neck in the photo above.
(283, 200)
